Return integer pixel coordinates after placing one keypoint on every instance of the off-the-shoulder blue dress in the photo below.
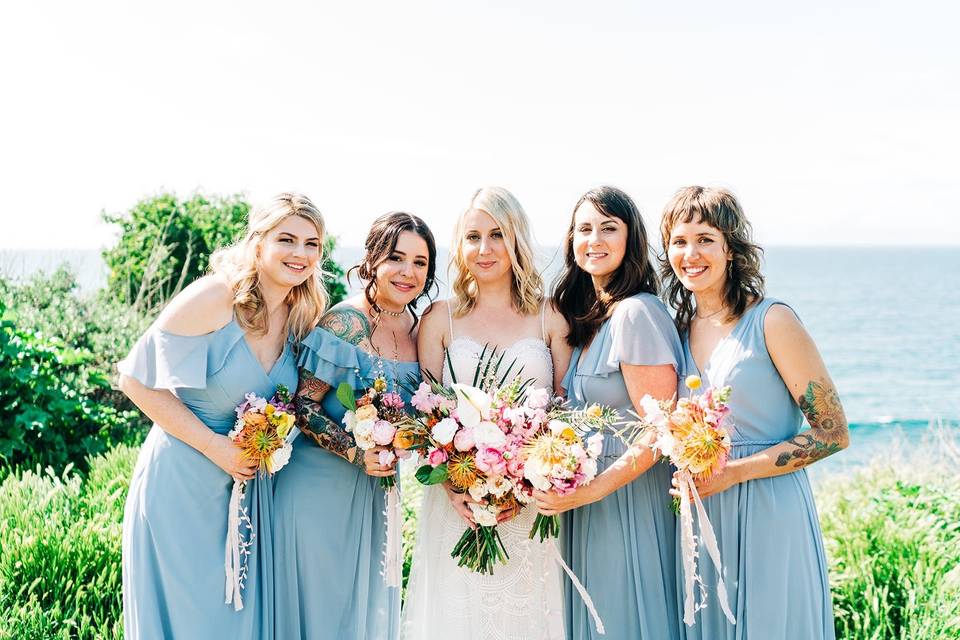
(623, 547)
(329, 526)
(768, 532)
(175, 521)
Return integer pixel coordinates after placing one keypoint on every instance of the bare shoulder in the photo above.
(556, 324)
(781, 323)
(204, 306)
(346, 321)
(435, 318)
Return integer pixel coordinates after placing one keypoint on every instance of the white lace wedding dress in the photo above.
(522, 600)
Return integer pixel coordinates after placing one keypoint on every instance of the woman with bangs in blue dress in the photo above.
(329, 527)
(761, 506)
(225, 335)
(618, 532)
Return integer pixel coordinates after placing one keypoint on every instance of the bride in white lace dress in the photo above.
(497, 301)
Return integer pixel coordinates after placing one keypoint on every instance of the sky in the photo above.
(835, 123)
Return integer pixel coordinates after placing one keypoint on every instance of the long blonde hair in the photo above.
(527, 285)
(239, 264)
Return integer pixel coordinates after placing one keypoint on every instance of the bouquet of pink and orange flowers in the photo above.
(264, 432)
(692, 435)
(377, 419)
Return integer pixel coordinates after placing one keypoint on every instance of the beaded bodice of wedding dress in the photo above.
(522, 600)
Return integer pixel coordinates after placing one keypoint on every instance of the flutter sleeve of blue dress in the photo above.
(641, 333)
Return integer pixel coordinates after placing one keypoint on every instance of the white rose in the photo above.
(488, 434)
(595, 445)
(478, 490)
(349, 420)
(444, 430)
(589, 468)
(498, 486)
(538, 480)
(280, 457)
(483, 516)
(364, 440)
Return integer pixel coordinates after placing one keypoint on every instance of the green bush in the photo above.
(60, 573)
(165, 244)
(49, 414)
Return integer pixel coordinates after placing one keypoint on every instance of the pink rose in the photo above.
(490, 460)
(386, 458)
(437, 457)
(383, 432)
(463, 441)
(424, 399)
(515, 466)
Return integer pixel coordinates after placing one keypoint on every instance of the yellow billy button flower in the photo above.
(269, 409)
(693, 382)
(380, 385)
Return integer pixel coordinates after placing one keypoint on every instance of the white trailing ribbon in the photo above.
(587, 600)
(392, 547)
(232, 566)
(688, 551)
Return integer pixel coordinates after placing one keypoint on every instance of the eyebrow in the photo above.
(292, 235)
(397, 251)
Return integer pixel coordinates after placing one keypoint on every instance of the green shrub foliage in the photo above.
(165, 244)
(49, 411)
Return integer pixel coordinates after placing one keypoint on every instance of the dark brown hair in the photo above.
(574, 295)
(718, 208)
(381, 242)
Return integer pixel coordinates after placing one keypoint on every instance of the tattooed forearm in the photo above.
(821, 406)
(311, 387)
(316, 425)
(808, 450)
(347, 323)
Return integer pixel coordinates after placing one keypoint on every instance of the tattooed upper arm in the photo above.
(799, 363)
(347, 323)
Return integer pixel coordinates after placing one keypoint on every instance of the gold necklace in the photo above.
(709, 315)
(393, 314)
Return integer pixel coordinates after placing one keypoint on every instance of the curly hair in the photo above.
(718, 208)
(381, 242)
(575, 296)
(527, 285)
(239, 263)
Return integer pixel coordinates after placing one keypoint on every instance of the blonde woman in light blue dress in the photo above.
(761, 506)
(224, 336)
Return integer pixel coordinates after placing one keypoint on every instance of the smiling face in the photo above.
(484, 248)
(599, 242)
(699, 256)
(401, 276)
(289, 252)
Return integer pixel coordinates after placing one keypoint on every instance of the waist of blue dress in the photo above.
(754, 443)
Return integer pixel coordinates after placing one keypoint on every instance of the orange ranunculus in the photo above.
(404, 439)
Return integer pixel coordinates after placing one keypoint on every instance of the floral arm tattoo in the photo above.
(350, 325)
(821, 406)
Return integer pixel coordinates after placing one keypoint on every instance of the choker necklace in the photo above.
(709, 315)
(393, 314)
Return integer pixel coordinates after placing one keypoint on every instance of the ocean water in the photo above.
(886, 321)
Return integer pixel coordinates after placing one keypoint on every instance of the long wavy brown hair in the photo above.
(574, 295)
(238, 263)
(718, 208)
(380, 244)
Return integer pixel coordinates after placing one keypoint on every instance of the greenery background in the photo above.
(68, 443)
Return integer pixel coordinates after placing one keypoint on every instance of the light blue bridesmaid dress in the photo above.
(623, 547)
(329, 527)
(175, 521)
(771, 548)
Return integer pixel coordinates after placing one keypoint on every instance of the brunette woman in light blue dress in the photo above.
(329, 526)
(618, 532)
(224, 336)
(760, 505)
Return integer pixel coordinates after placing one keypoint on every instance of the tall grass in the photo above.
(892, 533)
(60, 550)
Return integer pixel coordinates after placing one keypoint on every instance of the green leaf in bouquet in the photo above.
(432, 475)
(346, 396)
